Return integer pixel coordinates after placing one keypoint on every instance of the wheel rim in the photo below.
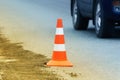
(75, 16)
(98, 18)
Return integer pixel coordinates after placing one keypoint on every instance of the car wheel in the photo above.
(102, 26)
(79, 22)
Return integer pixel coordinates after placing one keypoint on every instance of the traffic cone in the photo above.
(59, 57)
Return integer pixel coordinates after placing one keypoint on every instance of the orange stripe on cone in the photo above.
(59, 39)
(59, 57)
(59, 23)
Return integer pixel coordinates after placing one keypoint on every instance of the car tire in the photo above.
(79, 22)
(103, 27)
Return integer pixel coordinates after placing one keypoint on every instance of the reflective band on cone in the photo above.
(59, 47)
(59, 31)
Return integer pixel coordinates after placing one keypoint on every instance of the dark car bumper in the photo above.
(110, 13)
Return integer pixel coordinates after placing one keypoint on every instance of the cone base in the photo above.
(59, 63)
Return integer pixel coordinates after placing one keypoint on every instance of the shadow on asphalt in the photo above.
(115, 35)
(90, 33)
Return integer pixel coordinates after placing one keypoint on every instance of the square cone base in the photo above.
(59, 63)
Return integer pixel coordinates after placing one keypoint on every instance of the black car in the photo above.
(104, 13)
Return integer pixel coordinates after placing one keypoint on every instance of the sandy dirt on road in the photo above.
(19, 64)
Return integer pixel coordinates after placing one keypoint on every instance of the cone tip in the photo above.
(59, 23)
(59, 19)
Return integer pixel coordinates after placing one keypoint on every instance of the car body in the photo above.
(107, 17)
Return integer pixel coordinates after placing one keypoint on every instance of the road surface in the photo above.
(33, 23)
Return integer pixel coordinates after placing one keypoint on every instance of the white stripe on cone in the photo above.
(59, 47)
(59, 31)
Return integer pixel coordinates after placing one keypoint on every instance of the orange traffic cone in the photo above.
(59, 57)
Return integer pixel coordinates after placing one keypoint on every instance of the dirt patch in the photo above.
(19, 64)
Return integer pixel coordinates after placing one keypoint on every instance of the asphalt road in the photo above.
(33, 22)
